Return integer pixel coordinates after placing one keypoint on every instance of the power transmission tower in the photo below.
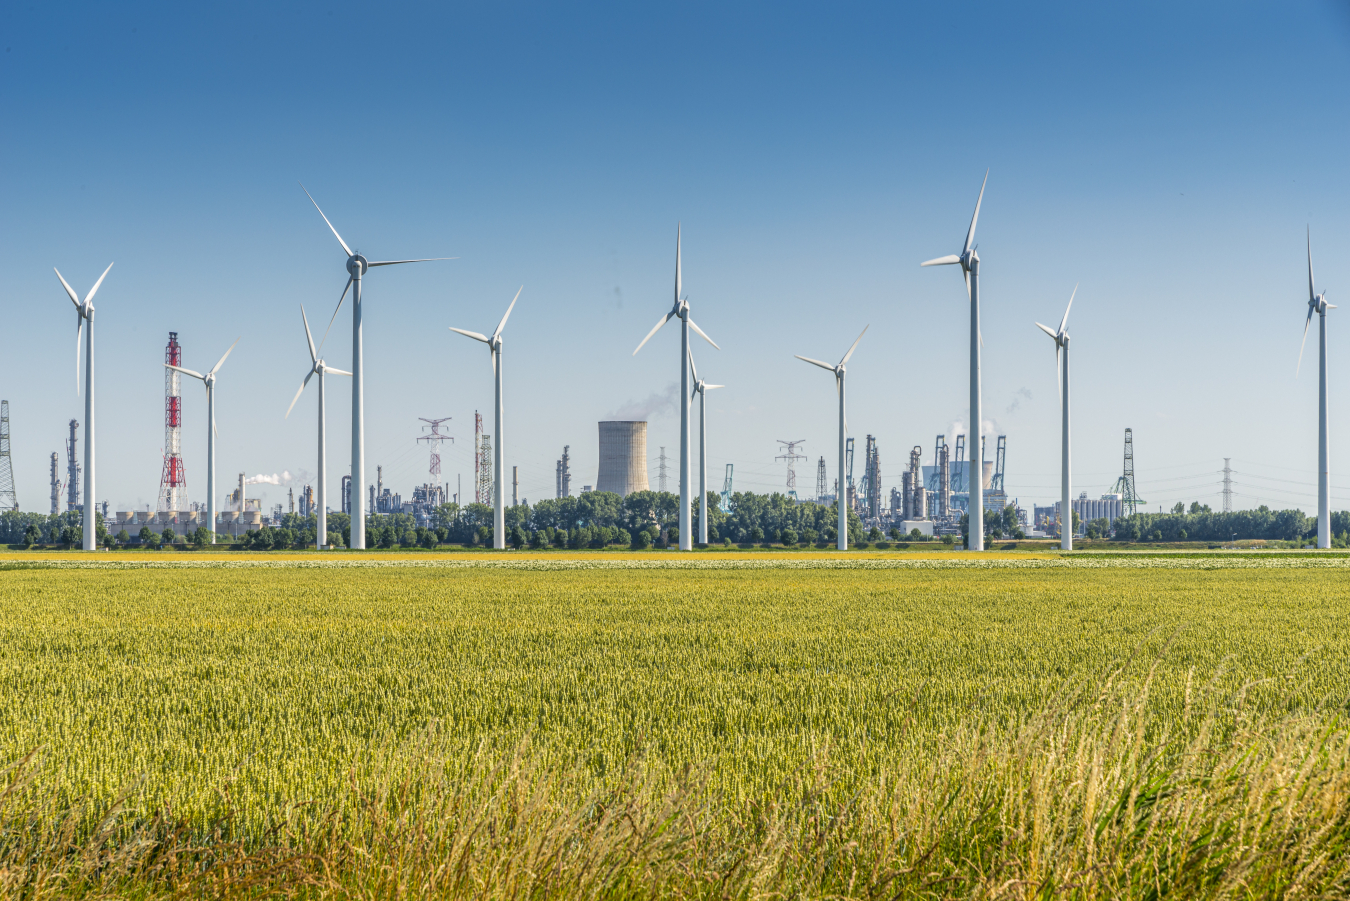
(72, 470)
(483, 462)
(791, 456)
(1227, 486)
(726, 490)
(173, 480)
(1130, 499)
(434, 441)
(661, 471)
(8, 499)
(822, 480)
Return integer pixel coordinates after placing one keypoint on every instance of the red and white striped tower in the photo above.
(173, 483)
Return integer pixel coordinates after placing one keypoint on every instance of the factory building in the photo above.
(623, 457)
(1108, 507)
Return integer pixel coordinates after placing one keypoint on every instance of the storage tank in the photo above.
(623, 457)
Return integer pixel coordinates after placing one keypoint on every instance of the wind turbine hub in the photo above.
(354, 262)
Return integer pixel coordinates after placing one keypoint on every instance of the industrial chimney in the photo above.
(623, 457)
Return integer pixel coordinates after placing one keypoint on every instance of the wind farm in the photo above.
(587, 627)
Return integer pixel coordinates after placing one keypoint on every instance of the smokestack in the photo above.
(623, 457)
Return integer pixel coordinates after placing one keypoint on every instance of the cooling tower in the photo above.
(623, 457)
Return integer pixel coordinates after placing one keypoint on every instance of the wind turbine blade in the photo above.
(663, 321)
(335, 311)
(297, 394)
(839, 389)
(1059, 383)
(855, 345)
(423, 260)
(195, 375)
(815, 362)
(331, 371)
(1048, 330)
(692, 367)
(1312, 298)
(693, 325)
(1065, 321)
(948, 260)
(710, 387)
(970, 235)
(79, 332)
(493, 354)
(94, 290)
(679, 275)
(502, 324)
(74, 298)
(966, 274)
(1303, 344)
(474, 335)
(309, 339)
(216, 367)
(325, 219)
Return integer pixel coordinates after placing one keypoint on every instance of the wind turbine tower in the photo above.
(357, 266)
(318, 367)
(209, 380)
(1061, 339)
(969, 261)
(1317, 303)
(701, 388)
(681, 309)
(841, 487)
(84, 312)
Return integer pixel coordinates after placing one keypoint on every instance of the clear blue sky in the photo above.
(1166, 157)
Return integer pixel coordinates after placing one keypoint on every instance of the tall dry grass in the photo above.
(1094, 796)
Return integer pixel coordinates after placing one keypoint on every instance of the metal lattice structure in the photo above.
(851, 498)
(435, 440)
(8, 499)
(791, 456)
(726, 490)
(173, 479)
(873, 494)
(1129, 497)
(822, 481)
(482, 464)
(661, 472)
(1000, 458)
(1227, 485)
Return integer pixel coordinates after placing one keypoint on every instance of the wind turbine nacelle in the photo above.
(354, 262)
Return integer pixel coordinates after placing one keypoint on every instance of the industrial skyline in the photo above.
(823, 192)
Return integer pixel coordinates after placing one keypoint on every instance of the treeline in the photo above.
(595, 519)
(1260, 524)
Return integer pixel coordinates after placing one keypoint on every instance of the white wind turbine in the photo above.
(701, 388)
(970, 267)
(318, 367)
(1061, 339)
(356, 270)
(1317, 303)
(499, 454)
(681, 309)
(841, 494)
(84, 310)
(209, 380)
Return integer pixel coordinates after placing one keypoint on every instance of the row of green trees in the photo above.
(1202, 524)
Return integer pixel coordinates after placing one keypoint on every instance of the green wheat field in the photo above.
(1012, 726)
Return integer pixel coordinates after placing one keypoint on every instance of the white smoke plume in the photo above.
(276, 478)
(655, 404)
(1017, 398)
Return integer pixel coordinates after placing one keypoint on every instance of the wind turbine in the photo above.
(1061, 339)
(209, 380)
(499, 454)
(356, 270)
(701, 388)
(84, 310)
(970, 267)
(318, 367)
(681, 309)
(1317, 303)
(841, 495)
